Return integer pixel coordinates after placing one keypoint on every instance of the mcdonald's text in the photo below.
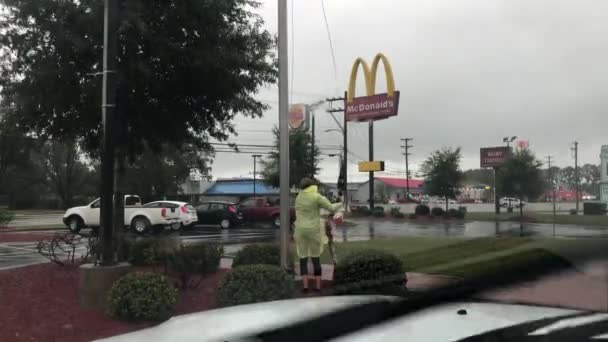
(374, 107)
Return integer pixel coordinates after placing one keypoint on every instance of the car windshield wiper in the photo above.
(351, 319)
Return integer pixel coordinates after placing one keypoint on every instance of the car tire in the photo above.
(225, 224)
(276, 221)
(75, 224)
(140, 225)
(176, 227)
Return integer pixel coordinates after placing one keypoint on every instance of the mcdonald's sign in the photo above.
(372, 106)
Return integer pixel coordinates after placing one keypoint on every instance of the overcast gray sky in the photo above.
(470, 72)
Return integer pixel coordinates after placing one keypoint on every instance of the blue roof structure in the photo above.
(241, 187)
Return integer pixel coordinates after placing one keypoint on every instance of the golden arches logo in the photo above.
(370, 77)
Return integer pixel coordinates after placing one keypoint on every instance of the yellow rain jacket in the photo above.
(309, 232)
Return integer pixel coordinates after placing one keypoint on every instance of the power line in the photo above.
(331, 45)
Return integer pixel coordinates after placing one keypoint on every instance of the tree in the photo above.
(479, 176)
(302, 160)
(154, 175)
(566, 178)
(63, 171)
(590, 179)
(185, 69)
(442, 174)
(521, 177)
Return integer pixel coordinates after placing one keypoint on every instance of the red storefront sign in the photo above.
(494, 156)
(374, 107)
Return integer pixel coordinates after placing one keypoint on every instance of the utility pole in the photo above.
(108, 110)
(283, 134)
(312, 145)
(371, 158)
(255, 162)
(576, 179)
(310, 110)
(552, 181)
(344, 129)
(407, 146)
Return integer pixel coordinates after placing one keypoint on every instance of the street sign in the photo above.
(494, 156)
(371, 166)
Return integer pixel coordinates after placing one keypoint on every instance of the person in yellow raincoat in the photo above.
(309, 232)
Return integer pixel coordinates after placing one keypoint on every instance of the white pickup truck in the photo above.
(137, 217)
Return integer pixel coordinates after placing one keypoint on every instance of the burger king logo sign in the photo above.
(297, 116)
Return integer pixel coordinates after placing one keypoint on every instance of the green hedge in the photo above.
(254, 283)
(195, 259)
(266, 254)
(142, 296)
(422, 210)
(6, 217)
(151, 251)
(370, 272)
(437, 211)
(592, 208)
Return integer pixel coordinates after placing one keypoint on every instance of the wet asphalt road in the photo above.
(14, 254)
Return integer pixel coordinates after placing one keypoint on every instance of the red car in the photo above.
(263, 209)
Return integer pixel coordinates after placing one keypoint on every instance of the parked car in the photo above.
(136, 216)
(186, 212)
(224, 214)
(512, 202)
(264, 209)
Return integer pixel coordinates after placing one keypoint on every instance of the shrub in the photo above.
(364, 211)
(437, 211)
(151, 251)
(396, 212)
(369, 271)
(195, 259)
(452, 213)
(422, 210)
(5, 218)
(413, 216)
(254, 283)
(379, 214)
(142, 296)
(589, 208)
(258, 254)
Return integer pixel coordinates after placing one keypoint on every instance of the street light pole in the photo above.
(255, 157)
(283, 133)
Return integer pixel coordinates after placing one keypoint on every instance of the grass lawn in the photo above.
(586, 220)
(466, 257)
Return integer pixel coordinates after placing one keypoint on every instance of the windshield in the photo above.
(309, 150)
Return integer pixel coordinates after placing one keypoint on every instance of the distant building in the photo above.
(237, 189)
(386, 189)
(566, 195)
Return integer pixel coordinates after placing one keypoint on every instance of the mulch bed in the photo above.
(23, 237)
(40, 303)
